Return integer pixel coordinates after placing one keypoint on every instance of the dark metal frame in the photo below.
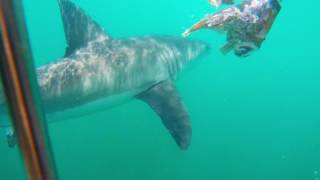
(22, 93)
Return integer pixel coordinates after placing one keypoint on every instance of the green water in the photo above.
(255, 118)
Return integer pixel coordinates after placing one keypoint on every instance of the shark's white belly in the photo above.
(89, 108)
(83, 110)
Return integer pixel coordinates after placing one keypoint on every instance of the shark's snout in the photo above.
(188, 50)
(183, 49)
(197, 48)
(177, 52)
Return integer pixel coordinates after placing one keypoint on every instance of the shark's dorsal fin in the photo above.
(79, 28)
(166, 102)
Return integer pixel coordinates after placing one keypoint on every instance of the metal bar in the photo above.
(21, 89)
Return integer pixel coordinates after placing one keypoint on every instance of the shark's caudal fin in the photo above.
(79, 28)
(165, 101)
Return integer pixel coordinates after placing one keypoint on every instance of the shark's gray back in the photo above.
(104, 68)
(97, 66)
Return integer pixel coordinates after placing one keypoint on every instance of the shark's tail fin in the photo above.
(79, 28)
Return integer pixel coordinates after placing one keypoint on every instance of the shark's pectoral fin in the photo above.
(79, 28)
(166, 102)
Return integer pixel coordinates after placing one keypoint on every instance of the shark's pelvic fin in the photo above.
(166, 102)
(79, 28)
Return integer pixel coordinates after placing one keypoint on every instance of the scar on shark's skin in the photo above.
(246, 24)
(98, 67)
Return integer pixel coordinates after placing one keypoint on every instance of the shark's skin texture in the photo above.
(97, 66)
(109, 67)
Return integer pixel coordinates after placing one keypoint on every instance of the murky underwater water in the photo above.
(254, 118)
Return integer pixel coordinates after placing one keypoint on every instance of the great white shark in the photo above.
(97, 66)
